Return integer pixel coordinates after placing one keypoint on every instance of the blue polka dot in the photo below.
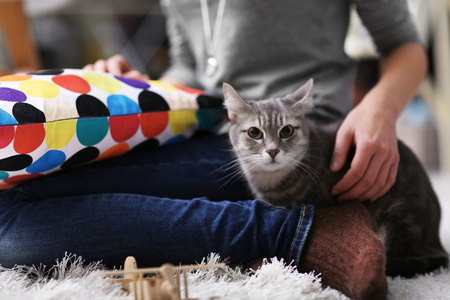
(91, 131)
(175, 139)
(3, 175)
(119, 105)
(6, 118)
(48, 161)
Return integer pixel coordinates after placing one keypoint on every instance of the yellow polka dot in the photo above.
(181, 120)
(56, 109)
(39, 88)
(103, 82)
(163, 85)
(59, 133)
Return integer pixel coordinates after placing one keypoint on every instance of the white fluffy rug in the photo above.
(69, 279)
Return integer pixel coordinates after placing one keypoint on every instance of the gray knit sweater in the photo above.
(268, 48)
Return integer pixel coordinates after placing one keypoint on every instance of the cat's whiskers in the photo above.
(237, 171)
(251, 162)
(233, 165)
(234, 176)
(228, 166)
(309, 171)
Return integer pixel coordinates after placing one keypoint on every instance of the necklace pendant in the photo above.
(211, 66)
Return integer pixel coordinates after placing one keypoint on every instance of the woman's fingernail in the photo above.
(333, 165)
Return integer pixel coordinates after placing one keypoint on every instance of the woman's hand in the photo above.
(370, 127)
(373, 169)
(116, 65)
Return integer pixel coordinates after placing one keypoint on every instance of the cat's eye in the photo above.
(286, 131)
(255, 133)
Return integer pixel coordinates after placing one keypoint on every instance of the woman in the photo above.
(265, 49)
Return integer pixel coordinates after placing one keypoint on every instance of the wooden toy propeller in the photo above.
(164, 286)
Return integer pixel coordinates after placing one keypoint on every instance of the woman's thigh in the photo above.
(199, 167)
(119, 207)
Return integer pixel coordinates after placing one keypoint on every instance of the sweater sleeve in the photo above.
(182, 61)
(389, 22)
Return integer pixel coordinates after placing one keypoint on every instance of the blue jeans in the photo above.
(176, 203)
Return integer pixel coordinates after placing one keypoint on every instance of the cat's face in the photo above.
(269, 135)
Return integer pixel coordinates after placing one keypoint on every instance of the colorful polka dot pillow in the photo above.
(56, 119)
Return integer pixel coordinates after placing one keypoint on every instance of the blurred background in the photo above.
(45, 34)
(72, 33)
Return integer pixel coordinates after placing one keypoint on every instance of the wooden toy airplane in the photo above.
(164, 286)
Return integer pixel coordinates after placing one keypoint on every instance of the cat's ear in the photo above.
(234, 103)
(303, 96)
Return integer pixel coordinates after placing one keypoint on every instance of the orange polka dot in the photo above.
(15, 77)
(190, 90)
(154, 123)
(72, 83)
(29, 137)
(116, 150)
(6, 186)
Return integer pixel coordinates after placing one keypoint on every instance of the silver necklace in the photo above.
(211, 38)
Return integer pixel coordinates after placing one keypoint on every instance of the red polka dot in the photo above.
(20, 178)
(6, 135)
(190, 90)
(154, 123)
(123, 127)
(29, 137)
(72, 83)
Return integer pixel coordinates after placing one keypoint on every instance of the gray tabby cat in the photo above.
(284, 155)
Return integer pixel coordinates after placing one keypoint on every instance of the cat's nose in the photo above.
(273, 152)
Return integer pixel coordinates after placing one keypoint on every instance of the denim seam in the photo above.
(296, 234)
(301, 233)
